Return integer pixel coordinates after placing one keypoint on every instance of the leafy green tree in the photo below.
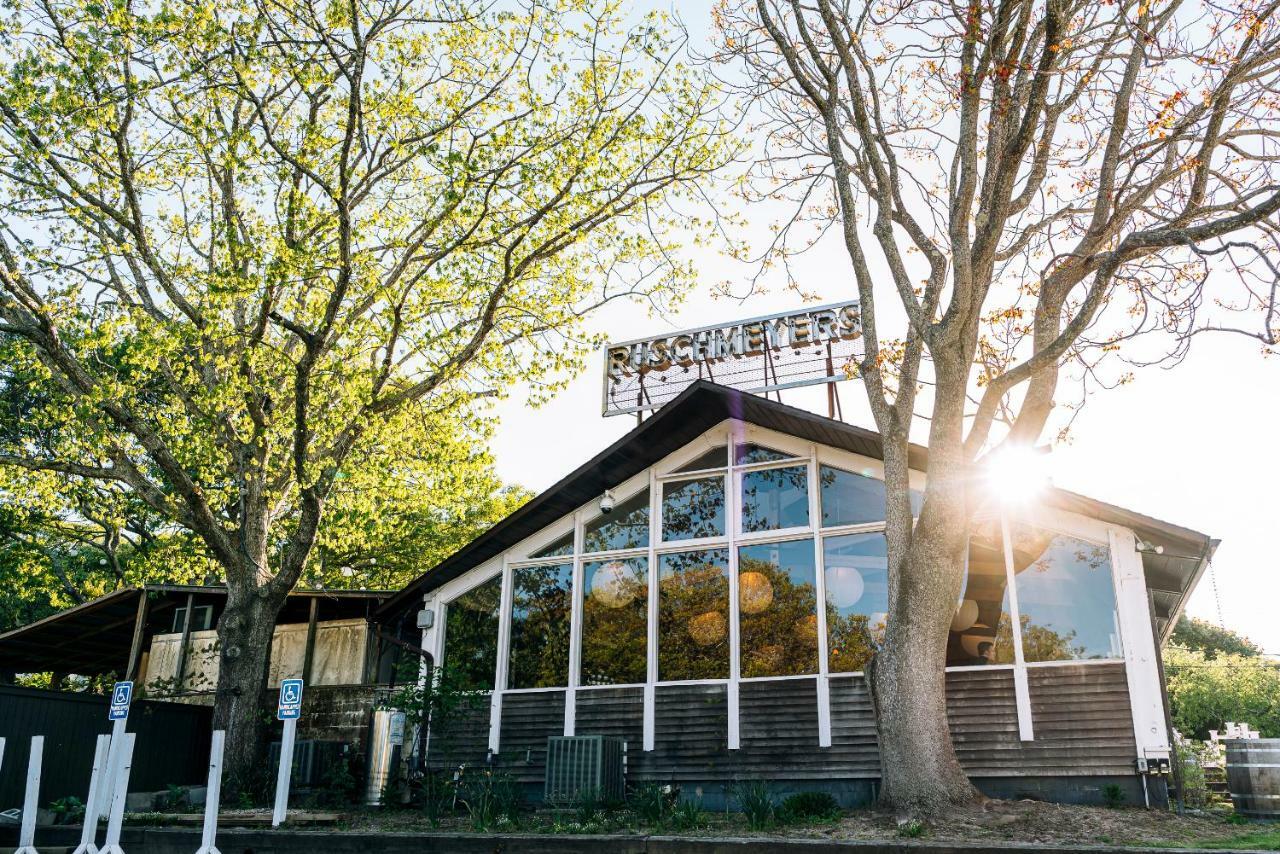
(1206, 691)
(1201, 635)
(248, 248)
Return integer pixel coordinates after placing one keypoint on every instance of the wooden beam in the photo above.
(139, 632)
(309, 655)
(179, 674)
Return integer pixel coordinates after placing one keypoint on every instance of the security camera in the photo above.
(606, 501)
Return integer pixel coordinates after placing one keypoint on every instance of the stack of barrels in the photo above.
(1253, 775)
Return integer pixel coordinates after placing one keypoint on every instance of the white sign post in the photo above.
(289, 710)
(27, 839)
(1, 752)
(213, 794)
(119, 793)
(89, 830)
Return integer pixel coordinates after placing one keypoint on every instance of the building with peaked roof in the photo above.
(711, 586)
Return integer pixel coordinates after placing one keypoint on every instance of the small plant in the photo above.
(490, 795)
(912, 828)
(1195, 792)
(652, 803)
(588, 807)
(178, 798)
(755, 802)
(435, 793)
(340, 785)
(67, 810)
(1112, 796)
(808, 806)
(687, 815)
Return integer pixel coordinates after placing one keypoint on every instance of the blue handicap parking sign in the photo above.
(290, 699)
(121, 697)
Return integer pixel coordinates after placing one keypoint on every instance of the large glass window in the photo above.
(693, 615)
(626, 527)
(615, 614)
(778, 615)
(856, 570)
(981, 632)
(775, 498)
(748, 454)
(471, 635)
(693, 508)
(540, 601)
(1066, 597)
(713, 459)
(560, 547)
(855, 499)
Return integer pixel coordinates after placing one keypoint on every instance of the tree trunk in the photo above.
(920, 773)
(244, 638)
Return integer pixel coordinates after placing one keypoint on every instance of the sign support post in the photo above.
(213, 794)
(31, 803)
(119, 794)
(118, 714)
(89, 828)
(289, 710)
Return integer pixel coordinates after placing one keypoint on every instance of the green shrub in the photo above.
(1195, 792)
(755, 802)
(912, 828)
(67, 810)
(1112, 795)
(490, 795)
(687, 815)
(651, 803)
(588, 807)
(808, 806)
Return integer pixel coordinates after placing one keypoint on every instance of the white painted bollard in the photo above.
(119, 792)
(97, 787)
(30, 804)
(286, 768)
(213, 794)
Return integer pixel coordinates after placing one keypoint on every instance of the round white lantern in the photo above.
(966, 615)
(755, 592)
(844, 586)
(614, 584)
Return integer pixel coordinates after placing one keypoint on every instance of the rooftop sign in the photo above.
(762, 354)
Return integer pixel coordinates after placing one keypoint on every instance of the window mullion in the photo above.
(820, 585)
(735, 641)
(651, 625)
(1021, 688)
(505, 598)
(575, 631)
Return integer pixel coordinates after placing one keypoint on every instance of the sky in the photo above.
(1195, 445)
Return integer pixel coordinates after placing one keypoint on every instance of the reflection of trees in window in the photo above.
(980, 630)
(748, 454)
(775, 498)
(1039, 643)
(693, 508)
(471, 635)
(777, 601)
(615, 612)
(857, 580)
(1066, 596)
(559, 548)
(693, 615)
(855, 499)
(540, 626)
(713, 459)
(627, 527)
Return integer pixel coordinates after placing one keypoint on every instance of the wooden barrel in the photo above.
(1253, 776)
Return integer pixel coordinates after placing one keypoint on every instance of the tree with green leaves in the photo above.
(1196, 635)
(1208, 690)
(251, 247)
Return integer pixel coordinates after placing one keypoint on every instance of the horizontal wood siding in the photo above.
(463, 738)
(1080, 715)
(855, 747)
(527, 720)
(691, 726)
(779, 731)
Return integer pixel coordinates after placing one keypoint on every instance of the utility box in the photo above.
(585, 766)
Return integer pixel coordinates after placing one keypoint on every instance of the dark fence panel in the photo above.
(172, 743)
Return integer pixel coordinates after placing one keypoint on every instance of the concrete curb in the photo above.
(159, 840)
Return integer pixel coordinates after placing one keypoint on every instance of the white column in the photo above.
(575, 631)
(285, 770)
(97, 785)
(651, 624)
(1021, 689)
(31, 803)
(119, 792)
(504, 648)
(820, 581)
(213, 794)
(1137, 639)
(731, 516)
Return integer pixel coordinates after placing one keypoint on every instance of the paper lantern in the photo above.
(970, 643)
(708, 628)
(844, 586)
(966, 616)
(755, 593)
(614, 584)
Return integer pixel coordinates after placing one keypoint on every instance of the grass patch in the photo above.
(1258, 840)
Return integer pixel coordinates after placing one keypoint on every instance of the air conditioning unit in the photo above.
(312, 760)
(583, 766)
